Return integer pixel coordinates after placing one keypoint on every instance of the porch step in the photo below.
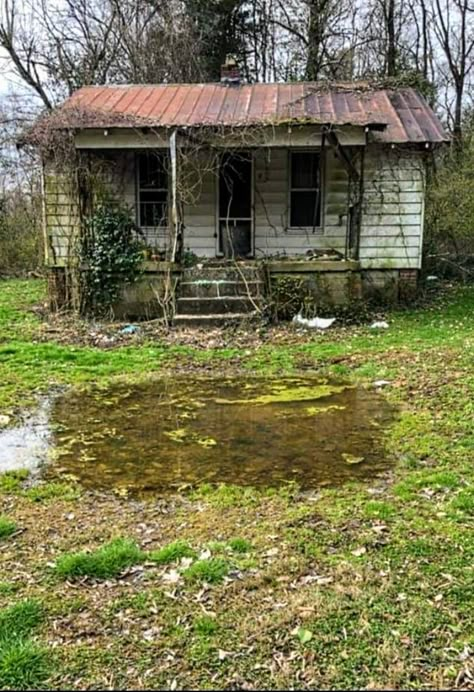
(216, 306)
(214, 320)
(220, 288)
(218, 294)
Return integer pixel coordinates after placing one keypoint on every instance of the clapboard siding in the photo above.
(61, 214)
(392, 214)
(200, 212)
(272, 234)
(392, 218)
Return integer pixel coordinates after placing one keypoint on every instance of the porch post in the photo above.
(355, 192)
(175, 229)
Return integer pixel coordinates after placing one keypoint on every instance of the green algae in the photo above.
(285, 394)
(178, 433)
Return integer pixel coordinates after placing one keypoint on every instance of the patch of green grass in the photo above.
(171, 553)
(106, 562)
(211, 571)
(205, 626)
(24, 664)
(8, 588)
(377, 509)
(11, 481)
(7, 527)
(464, 501)
(224, 495)
(239, 545)
(45, 492)
(439, 480)
(19, 619)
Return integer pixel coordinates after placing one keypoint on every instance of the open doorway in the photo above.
(235, 206)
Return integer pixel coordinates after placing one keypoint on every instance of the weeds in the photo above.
(171, 553)
(106, 562)
(211, 571)
(7, 527)
(24, 664)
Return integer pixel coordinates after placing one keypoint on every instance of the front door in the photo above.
(235, 205)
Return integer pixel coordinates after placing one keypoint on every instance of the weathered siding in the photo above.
(200, 209)
(271, 210)
(120, 183)
(272, 234)
(392, 220)
(61, 212)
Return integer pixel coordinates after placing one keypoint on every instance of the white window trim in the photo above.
(162, 228)
(317, 230)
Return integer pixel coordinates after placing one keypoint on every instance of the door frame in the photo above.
(217, 233)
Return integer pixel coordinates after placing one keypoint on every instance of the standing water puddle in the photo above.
(164, 435)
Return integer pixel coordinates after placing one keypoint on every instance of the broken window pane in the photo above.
(305, 189)
(153, 188)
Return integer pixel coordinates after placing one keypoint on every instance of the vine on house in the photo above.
(111, 256)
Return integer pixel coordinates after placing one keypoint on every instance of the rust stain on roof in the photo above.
(399, 116)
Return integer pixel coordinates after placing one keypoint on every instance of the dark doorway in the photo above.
(235, 205)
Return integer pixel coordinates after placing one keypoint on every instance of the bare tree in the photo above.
(20, 41)
(454, 30)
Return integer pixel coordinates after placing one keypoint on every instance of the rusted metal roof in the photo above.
(398, 116)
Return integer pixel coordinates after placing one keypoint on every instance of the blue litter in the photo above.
(130, 329)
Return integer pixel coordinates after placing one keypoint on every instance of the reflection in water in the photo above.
(168, 434)
(26, 446)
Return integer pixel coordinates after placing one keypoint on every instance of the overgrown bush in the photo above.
(110, 254)
(20, 232)
(449, 228)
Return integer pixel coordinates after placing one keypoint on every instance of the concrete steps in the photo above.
(217, 295)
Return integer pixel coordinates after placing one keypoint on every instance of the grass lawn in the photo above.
(364, 586)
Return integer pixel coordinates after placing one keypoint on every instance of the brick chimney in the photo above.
(230, 71)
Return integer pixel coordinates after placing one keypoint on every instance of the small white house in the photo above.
(318, 180)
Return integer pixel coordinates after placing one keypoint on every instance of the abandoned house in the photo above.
(236, 188)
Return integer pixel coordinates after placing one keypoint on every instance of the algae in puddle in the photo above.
(178, 435)
(315, 410)
(282, 395)
(352, 459)
(171, 434)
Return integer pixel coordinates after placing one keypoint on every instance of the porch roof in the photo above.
(394, 115)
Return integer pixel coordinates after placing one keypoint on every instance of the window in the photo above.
(305, 189)
(152, 189)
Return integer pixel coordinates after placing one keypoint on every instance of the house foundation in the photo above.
(221, 292)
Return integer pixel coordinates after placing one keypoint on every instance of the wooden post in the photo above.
(174, 195)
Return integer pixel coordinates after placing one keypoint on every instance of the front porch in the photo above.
(218, 292)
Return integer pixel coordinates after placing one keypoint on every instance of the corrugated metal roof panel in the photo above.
(403, 113)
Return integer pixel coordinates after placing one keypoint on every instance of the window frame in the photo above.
(321, 153)
(139, 189)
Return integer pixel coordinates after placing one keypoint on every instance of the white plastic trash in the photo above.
(314, 323)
